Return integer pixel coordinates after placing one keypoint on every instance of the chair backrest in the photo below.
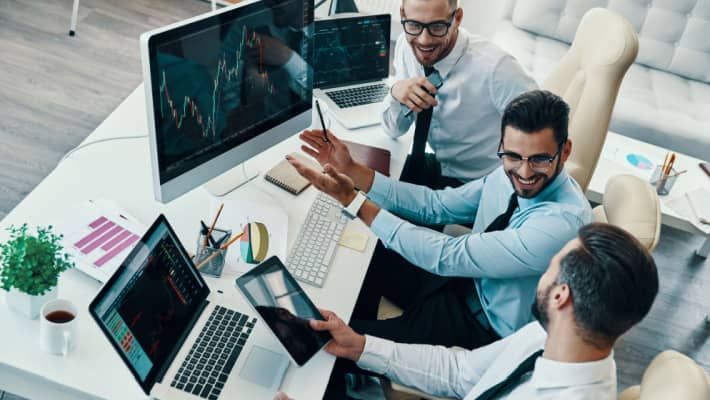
(632, 204)
(588, 78)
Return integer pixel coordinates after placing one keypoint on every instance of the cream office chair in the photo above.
(671, 375)
(630, 203)
(588, 78)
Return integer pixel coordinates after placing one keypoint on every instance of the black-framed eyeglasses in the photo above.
(435, 28)
(538, 162)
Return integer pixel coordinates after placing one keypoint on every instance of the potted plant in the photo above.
(29, 268)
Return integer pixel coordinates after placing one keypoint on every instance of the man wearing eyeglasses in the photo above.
(469, 290)
(460, 119)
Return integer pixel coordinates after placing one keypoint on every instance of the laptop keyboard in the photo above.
(214, 353)
(358, 96)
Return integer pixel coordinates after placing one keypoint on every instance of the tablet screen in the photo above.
(284, 308)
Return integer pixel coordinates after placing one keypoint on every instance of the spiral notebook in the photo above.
(285, 176)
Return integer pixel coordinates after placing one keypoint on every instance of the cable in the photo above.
(77, 148)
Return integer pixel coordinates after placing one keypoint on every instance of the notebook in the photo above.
(373, 157)
(285, 176)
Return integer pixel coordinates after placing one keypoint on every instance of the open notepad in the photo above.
(285, 176)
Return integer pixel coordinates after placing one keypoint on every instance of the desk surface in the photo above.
(120, 170)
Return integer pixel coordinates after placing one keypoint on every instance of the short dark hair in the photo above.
(536, 110)
(612, 279)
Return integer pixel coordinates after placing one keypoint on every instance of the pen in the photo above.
(322, 123)
(216, 217)
(205, 229)
(220, 250)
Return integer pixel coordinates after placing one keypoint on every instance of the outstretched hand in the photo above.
(333, 151)
(330, 181)
(346, 342)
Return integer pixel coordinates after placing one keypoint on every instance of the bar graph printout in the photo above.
(99, 235)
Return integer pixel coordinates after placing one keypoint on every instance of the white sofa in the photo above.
(665, 96)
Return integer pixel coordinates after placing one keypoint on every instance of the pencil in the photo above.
(680, 173)
(665, 163)
(216, 217)
(669, 168)
(220, 250)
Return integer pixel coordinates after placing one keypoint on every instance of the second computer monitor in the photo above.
(223, 87)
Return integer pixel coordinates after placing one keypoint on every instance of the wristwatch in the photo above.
(351, 210)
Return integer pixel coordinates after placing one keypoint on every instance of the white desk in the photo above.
(611, 162)
(120, 170)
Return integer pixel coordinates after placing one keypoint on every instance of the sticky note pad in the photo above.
(354, 240)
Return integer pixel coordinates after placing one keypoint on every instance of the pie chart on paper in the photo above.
(639, 161)
(254, 243)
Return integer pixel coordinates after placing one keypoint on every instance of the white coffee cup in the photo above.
(58, 327)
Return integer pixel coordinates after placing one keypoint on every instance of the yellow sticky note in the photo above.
(354, 240)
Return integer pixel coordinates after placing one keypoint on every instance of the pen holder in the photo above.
(662, 182)
(215, 265)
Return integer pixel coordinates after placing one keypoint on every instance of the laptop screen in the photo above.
(148, 306)
(350, 50)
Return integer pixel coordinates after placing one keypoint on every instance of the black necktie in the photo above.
(501, 221)
(512, 379)
(421, 129)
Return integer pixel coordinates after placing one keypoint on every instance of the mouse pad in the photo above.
(265, 367)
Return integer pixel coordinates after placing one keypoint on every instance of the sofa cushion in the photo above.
(653, 106)
(672, 34)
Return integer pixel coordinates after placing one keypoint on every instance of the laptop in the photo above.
(179, 339)
(351, 63)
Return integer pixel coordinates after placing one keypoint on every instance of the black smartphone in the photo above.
(435, 79)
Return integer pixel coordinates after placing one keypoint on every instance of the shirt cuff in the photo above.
(376, 355)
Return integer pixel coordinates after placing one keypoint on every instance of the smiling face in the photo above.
(527, 182)
(430, 49)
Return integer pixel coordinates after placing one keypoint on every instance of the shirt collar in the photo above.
(553, 374)
(445, 65)
(555, 185)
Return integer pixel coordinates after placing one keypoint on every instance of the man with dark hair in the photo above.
(459, 119)
(596, 288)
(470, 290)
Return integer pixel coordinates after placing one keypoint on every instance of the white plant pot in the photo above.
(27, 305)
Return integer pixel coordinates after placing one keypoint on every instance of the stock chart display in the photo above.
(220, 85)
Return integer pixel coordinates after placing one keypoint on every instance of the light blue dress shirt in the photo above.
(505, 265)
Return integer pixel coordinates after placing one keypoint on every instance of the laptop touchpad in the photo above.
(265, 367)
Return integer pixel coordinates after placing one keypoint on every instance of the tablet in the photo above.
(284, 307)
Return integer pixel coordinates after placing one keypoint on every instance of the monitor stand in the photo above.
(230, 180)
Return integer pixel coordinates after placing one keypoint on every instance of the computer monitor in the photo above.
(225, 86)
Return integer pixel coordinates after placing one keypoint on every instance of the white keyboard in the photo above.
(310, 257)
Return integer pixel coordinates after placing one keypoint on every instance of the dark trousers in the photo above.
(435, 311)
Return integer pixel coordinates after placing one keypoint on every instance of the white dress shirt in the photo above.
(480, 79)
(467, 374)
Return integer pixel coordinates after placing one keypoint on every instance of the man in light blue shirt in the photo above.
(471, 290)
(496, 270)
